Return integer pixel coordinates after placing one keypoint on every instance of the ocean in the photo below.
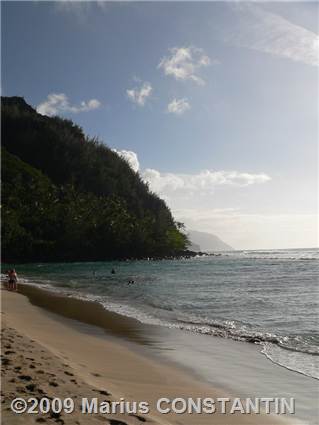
(267, 298)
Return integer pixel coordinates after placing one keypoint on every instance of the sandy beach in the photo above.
(43, 356)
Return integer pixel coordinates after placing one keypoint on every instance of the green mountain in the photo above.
(67, 197)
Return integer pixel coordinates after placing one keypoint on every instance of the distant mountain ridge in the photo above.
(206, 242)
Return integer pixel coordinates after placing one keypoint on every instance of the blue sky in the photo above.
(215, 104)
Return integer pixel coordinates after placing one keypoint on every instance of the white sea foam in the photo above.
(292, 360)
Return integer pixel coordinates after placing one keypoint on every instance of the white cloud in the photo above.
(130, 157)
(59, 103)
(168, 184)
(183, 63)
(204, 182)
(267, 32)
(189, 197)
(178, 106)
(139, 95)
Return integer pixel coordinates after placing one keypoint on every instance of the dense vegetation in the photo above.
(67, 197)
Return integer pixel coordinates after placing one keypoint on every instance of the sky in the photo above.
(215, 104)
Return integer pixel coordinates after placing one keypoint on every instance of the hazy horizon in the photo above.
(217, 112)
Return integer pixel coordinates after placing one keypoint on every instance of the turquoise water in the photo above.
(269, 298)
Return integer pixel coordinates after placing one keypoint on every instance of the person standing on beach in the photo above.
(13, 280)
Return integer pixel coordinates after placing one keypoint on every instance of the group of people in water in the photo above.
(12, 284)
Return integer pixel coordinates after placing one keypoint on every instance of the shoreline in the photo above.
(101, 361)
(137, 331)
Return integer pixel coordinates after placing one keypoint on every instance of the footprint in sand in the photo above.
(31, 387)
(102, 392)
(57, 417)
(25, 377)
(140, 418)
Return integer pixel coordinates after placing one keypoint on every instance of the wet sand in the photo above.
(45, 355)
